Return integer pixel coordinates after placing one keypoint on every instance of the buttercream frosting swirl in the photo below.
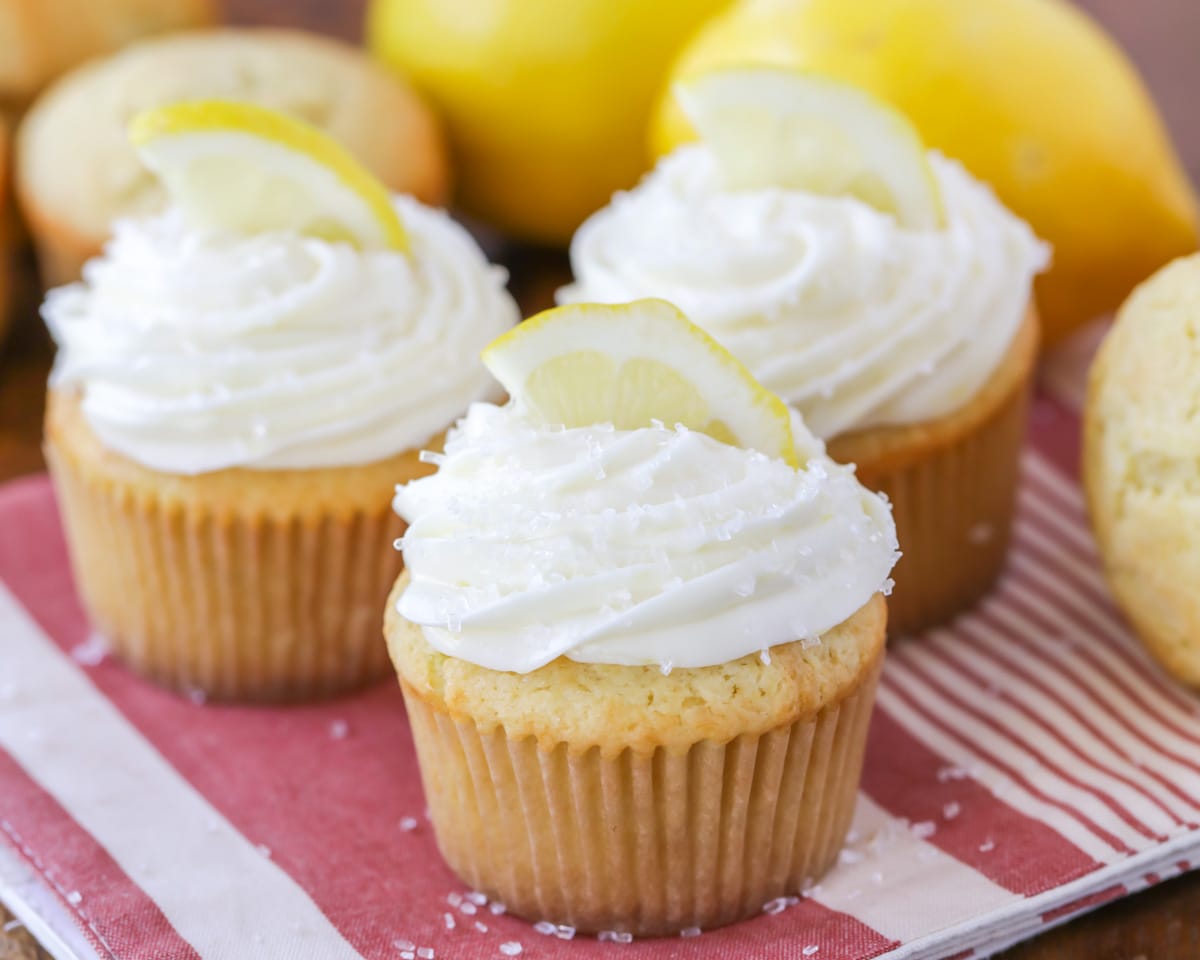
(852, 319)
(198, 351)
(649, 546)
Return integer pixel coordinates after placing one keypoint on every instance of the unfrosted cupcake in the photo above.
(639, 662)
(230, 409)
(906, 338)
(40, 40)
(1140, 447)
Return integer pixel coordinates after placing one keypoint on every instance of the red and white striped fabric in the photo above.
(1025, 765)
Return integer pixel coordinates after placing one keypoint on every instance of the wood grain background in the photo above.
(1163, 36)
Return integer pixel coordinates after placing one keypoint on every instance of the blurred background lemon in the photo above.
(1030, 95)
(546, 101)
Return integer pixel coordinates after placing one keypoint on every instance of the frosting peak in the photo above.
(852, 319)
(650, 546)
(197, 351)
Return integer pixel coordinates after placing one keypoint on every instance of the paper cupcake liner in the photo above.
(954, 511)
(647, 843)
(219, 605)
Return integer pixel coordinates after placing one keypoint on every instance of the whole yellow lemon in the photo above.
(1030, 95)
(546, 101)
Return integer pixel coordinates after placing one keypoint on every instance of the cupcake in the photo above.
(236, 394)
(77, 173)
(1139, 464)
(38, 41)
(884, 294)
(639, 659)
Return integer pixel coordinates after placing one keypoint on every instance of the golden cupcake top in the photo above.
(610, 707)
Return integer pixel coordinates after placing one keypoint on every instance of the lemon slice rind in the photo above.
(633, 364)
(248, 169)
(775, 127)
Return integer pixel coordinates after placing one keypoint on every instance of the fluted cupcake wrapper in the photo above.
(229, 606)
(649, 843)
(954, 513)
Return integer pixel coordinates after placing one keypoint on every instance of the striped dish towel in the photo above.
(1025, 765)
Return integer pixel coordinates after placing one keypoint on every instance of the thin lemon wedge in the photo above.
(632, 364)
(247, 169)
(776, 127)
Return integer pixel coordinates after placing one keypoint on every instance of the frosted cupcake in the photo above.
(236, 394)
(639, 662)
(884, 294)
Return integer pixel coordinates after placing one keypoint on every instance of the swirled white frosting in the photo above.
(652, 546)
(200, 351)
(851, 318)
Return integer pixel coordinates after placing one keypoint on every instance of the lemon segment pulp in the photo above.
(247, 169)
(635, 364)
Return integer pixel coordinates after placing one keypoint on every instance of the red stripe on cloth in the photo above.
(346, 774)
(1043, 506)
(344, 798)
(784, 936)
(1065, 498)
(1089, 610)
(1012, 771)
(1085, 903)
(804, 930)
(340, 839)
(1054, 433)
(1017, 666)
(33, 560)
(1051, 732)
(118, 919)
(1063, 651)
(1138, 669)
(908, 779)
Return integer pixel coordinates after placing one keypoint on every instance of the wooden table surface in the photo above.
(1162, 923)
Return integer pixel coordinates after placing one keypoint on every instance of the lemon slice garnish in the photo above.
(632, 364)
(773, 127)
(243, 168)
